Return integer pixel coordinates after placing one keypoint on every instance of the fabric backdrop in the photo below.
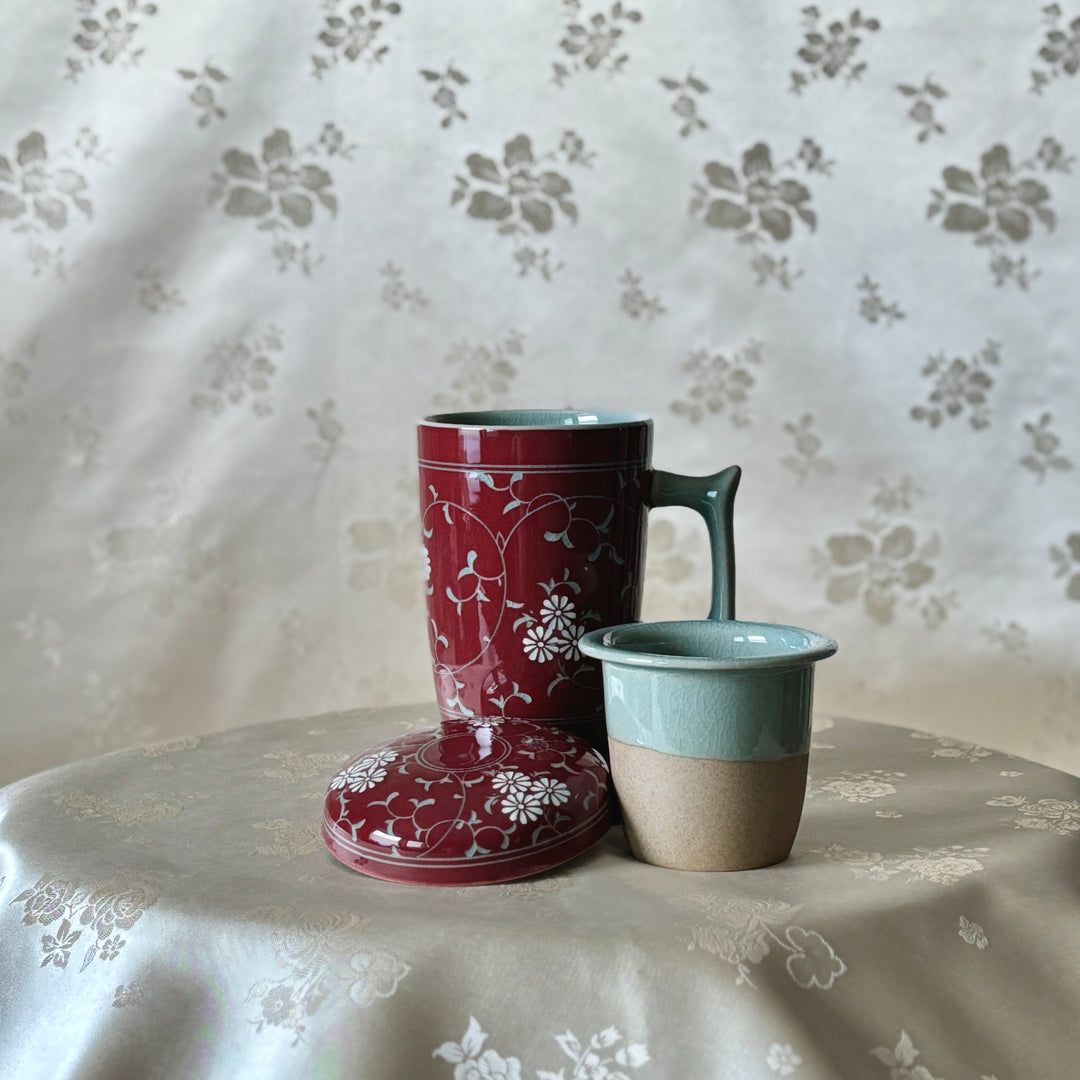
(246, 245)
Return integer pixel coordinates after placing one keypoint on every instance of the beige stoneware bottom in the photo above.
(690, 813)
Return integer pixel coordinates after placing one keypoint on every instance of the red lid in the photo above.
(467, 803)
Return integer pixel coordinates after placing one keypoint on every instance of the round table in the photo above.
(171, 911)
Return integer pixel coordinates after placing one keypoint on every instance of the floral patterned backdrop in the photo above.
(245, 247)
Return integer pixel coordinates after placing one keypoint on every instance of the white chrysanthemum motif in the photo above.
(511, 780)
(365, 773)
(558, 612)
(569, 644)
(522, 806)
(538, 643)
(427, 564)
(549, 791)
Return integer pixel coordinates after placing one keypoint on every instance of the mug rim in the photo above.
(518, 419)
(594, 644)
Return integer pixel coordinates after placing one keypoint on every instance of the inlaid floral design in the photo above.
(922, 100)
(522, 195)
(959, 386)
(1060, 50)
(760, 203)
(396, 294)
(351, 32)
(635, 301)
(1045, 456)
(1000, 206)
(106, 34)
(73, 910)
(687, 91)
(280, 189)
(204, 91)
(242, 373)
(831, 48)
(1060, 816)
(886, 562)
(601, 1057)
(365, 773)
(743, 932)
(720, 385)
(447, 83)
(593, 43)
(1066, 562)
(873, 308)
(807, 459)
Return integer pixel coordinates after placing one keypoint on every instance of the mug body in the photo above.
(534, 527)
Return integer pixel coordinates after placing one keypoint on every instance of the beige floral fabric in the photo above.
(171, 911)
(246, 245)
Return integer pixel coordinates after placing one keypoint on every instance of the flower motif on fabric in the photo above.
(685, 106)
(280, 189)
(364, 774)
(204, 88)
(16, 372)
(329, 432)
(242, 371)
(104, 915)
(1059, 816)
(635, 301)
(107, 34)
(901, 1060)
(782, 1059)
(154, 294)
(942, 866)
(127, 994)
(954, 748)
(1066, 562)
(351, 32)
(959, 384)
(1045, 456)
(885, 562)
(1060, 50)
(446, 85)
(553, 631)
(521, 196)
(396, 294)
(743, 932)
(760, 204)
(830, 49)
(999, 207)
(873, 308)
(324, 954)
(384, 551)
(922, 100)
(862, 787)
(719, 384)
(480, 376)
(600, 1058)
(593, 43)
(973, 933)
(38, 193)
(807, 458)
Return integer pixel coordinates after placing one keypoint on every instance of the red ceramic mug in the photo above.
(534, 525)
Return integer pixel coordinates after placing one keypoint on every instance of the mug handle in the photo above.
(713, 497)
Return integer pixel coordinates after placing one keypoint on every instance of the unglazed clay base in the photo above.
(690, 813)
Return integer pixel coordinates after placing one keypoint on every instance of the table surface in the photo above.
(171, 912)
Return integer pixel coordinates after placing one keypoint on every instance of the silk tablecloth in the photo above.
(170, 911)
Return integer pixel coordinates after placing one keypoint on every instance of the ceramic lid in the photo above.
(467, 803)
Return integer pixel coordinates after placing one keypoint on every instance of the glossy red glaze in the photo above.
(533, 536)
(467, 803)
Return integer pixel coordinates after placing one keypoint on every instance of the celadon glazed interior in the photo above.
(538, 418)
